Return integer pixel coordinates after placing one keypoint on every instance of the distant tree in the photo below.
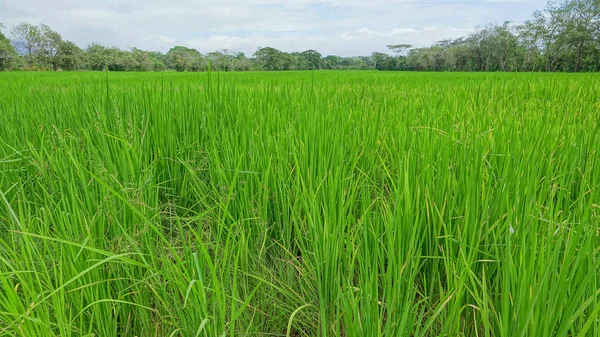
(47, 49)
(546, 28)
(226, 60)
(221, 60)
(141, 60)
(241, 62)
(399, 49)
(532, 51)
(177, 58)
(494, 47)
(331, 61)
(581, 29)
(157, 61)
(564, 35)
(383, 61)
(26, 37)
(269, 58)
(361, 63)
(287, 61)
(69, 56)
(312, 59)
(120, 60)
(96, 57)
(184, 59)
(7, 52)
(38, 43)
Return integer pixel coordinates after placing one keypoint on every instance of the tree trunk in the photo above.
(579, 56)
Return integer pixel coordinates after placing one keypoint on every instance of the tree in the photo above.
(157, 61)
(39, 43)
(119, 60)
(564, 35)
(360, 63)
(141, 60)
(221, 60)
(581, 28)
(48, 45)
(546, 27)
(241, 62)
(177, 58)
(332, 61)
(7, 52)
(383, 61)
(69, 56)
(399, 49)
(96, 57)
(184, 59)
(312, 59)
(495, 47)
(269, 58)
(533, 57)
(26, 37)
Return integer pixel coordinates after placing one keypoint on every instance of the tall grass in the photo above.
(299, 204)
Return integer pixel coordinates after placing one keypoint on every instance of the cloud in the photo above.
(344, 27)
(360, 42)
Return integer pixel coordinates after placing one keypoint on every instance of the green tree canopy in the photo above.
(7, 51)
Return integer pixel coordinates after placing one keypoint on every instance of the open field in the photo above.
(299, 204)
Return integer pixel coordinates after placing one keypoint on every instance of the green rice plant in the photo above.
(299, 204)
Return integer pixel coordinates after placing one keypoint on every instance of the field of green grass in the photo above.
(299, 204)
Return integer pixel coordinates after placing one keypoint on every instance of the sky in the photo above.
(333, 27)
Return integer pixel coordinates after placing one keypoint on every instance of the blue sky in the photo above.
(340, 27)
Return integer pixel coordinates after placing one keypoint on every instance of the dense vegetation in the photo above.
(564, 36)
(299, 204)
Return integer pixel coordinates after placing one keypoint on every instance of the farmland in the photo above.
(299, 204)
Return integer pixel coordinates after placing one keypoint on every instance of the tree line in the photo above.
(564, 36)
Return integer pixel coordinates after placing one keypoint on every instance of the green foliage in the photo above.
(97, 57)
(142, 61)
(7, 52)
(383, 61)
(101, 58)
(185, 59)
(26, 37)
(68, 56)
(310, 59)
(299, 204)
(564, 36)
(157, 61)
(268, 58)
(47, 49)
(400, 49)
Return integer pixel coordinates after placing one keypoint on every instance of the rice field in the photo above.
(299, 204)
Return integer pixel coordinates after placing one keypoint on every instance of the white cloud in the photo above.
(360, 42)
